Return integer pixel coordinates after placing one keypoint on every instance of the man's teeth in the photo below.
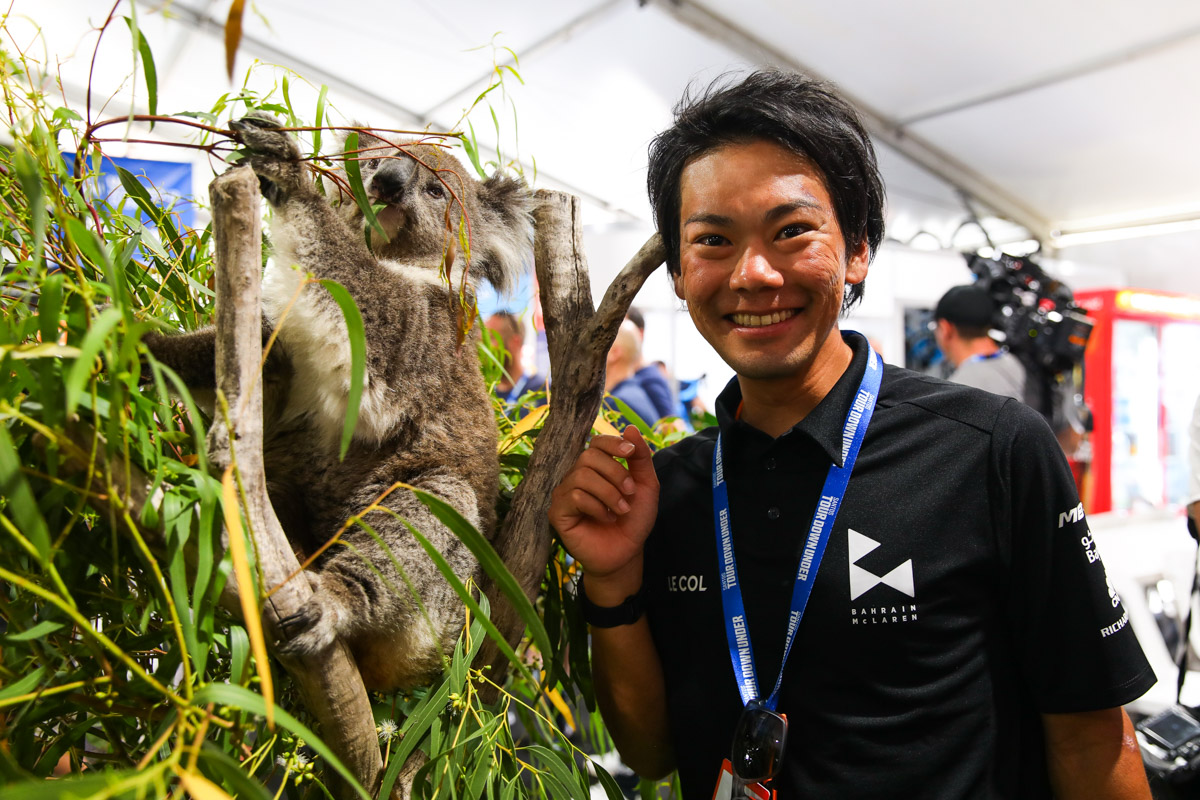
(757, 321)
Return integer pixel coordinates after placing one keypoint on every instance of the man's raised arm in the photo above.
(604, 511)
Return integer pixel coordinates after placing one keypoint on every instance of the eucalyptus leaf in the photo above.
(25, 684)
(31, 185)
(148, 69)
(22, 503)
(81, 370)
(356, 337)
(354, 175)
(240, 697)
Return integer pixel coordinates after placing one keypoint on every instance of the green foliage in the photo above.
(120, 671)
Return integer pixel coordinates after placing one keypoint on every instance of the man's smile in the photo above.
(759, 320)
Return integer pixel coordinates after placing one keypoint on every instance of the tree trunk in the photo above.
(330, 685)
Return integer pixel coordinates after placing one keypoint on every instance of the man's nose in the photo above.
(754, 270)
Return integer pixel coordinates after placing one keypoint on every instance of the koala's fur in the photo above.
(425, 418)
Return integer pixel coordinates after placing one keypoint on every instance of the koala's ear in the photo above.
(506, 203)
(508, 198)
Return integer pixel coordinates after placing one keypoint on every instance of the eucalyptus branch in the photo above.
(579, 339)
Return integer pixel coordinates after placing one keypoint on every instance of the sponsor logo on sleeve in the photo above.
(1071, 515)
(1092, 553)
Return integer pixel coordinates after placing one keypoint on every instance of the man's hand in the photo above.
(604, 511)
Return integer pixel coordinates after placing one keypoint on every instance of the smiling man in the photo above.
(864, 582)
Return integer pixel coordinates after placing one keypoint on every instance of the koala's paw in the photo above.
(311, 630)
(273, 155)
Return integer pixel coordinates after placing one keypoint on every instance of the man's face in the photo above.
(511, 341)
(763, 261)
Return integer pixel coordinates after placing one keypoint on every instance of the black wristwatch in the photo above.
(629, 612)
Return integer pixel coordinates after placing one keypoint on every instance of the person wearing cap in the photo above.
(920, 543)
(962, 321)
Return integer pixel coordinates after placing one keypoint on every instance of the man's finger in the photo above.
(641, 460)
(607, 467)
(616, 446)
(602, 488)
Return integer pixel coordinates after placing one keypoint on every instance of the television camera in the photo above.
(1039, 321)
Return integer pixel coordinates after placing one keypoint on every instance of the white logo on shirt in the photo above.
(686, 583)
(1073, 515)
(861, 581)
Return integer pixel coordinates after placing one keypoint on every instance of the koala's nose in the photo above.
(390, 180)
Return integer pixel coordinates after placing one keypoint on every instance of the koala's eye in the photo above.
(372, 163)
(435, 190)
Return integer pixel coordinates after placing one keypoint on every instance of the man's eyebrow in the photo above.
(783, 209)
(709, 219)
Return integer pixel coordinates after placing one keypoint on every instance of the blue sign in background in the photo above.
(169, 180)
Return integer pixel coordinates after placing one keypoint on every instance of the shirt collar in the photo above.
(824, 423)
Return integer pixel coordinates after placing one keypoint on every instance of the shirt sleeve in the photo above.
(1069, 629)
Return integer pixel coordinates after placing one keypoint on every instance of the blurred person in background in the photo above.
(653, 380)
(962, 320)
(621, 381)
(514, 382)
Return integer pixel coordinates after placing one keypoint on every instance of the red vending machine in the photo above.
(1141, 380)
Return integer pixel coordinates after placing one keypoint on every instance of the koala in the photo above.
(425, 417)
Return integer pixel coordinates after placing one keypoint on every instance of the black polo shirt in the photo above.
(960, 596)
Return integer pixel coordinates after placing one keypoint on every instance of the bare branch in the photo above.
(330, 684)
(579, 339)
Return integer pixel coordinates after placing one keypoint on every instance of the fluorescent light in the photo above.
(1116, 234)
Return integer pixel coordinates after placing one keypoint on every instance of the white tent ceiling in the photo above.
(1074, 123)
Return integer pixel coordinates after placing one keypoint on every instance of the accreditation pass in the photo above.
(747, 791)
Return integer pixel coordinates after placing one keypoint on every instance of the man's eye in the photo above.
(711, 240)
(792, 231)
(435, 190)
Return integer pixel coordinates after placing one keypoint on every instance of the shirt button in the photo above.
(772, 513)
(769, 464)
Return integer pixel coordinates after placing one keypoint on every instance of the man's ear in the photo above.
(944, 330)
(858, 263)
(677, 280)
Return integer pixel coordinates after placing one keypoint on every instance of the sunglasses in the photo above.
(758, 743)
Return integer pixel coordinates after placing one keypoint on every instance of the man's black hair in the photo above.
(969, 308)
(800, 114)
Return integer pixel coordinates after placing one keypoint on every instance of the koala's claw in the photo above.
(265, 137)
(309, 631)
(272, 154)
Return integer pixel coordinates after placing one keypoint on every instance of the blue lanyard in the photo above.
(736, 629)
